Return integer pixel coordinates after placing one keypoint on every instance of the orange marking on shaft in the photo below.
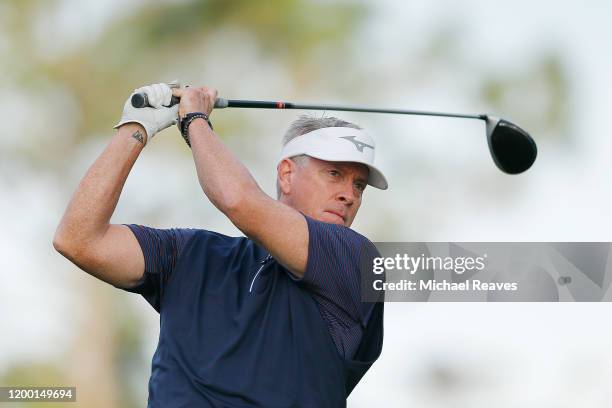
(280, 105)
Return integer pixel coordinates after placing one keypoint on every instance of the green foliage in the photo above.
(539, 96)
(128, 359)
(138, 48)
(34, 374)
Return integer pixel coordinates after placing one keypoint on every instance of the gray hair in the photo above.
(303, 125)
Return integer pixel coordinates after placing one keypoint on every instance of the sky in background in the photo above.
(514, 354)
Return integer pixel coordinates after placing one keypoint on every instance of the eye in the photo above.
(334, 173)
(360, 186)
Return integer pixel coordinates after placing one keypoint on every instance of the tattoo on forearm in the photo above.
(138, 136)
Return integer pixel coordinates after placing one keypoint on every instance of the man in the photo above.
(273, 319)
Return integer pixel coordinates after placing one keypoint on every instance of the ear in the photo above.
(286, 170)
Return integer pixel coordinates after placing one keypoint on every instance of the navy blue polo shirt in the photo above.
(239, 330)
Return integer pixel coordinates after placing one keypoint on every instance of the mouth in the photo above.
(337, 214)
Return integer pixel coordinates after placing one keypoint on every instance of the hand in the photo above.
(195, 100)
(153, 119)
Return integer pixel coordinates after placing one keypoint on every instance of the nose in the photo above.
(346, 194)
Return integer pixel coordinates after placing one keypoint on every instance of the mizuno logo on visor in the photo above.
(358, 145)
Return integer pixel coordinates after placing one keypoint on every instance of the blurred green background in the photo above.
(68, 66)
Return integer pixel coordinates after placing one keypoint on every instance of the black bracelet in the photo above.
(186, 121)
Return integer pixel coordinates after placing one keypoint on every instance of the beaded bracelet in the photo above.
(186, 121)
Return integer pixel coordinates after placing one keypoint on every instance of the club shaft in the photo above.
(140, 100)
(235, 103)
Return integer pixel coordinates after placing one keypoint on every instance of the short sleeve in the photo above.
(335, 254)
(161, 249)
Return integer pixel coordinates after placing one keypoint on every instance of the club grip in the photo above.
(140, 100)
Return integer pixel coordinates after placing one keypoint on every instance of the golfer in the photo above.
(272, 319)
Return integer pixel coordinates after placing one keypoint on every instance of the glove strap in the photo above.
(186, 121)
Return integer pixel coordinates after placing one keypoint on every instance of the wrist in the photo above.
(197, 122)
(134, 131)
(186, 121)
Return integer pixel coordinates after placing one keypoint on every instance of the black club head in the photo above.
(512, 149)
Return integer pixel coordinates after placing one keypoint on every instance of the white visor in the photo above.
(338, 144)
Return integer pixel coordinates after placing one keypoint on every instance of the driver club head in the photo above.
(512, 149)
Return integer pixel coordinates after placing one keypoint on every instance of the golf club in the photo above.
(512, 149)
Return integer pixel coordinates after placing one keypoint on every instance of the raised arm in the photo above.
(279, 228)
(85, 236)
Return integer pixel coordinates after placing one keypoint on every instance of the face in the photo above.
(326, 191)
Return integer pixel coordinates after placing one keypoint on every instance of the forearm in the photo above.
(280, 229)
(225, 181)
(88, 214)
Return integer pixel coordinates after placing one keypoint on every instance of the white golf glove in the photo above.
(158, 116)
